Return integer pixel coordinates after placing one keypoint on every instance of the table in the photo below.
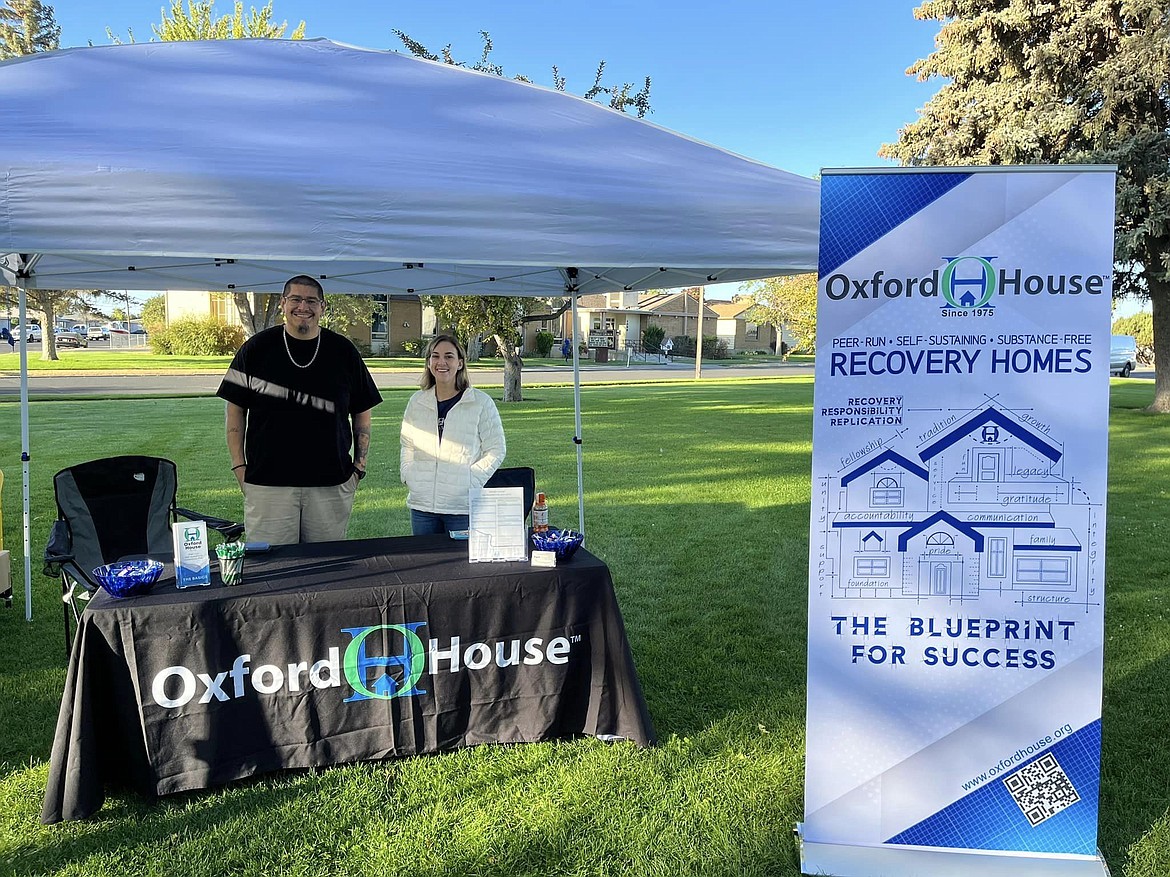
(333, 653)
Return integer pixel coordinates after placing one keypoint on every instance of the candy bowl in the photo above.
(563, 542)
(128, 578)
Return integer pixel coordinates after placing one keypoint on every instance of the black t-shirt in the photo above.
(298, 432)
(444, 408)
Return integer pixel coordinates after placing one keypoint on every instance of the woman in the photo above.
(452, 441)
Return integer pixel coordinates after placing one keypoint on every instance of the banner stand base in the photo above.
(849, 860)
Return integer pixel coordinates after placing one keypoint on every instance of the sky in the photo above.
(796, 85)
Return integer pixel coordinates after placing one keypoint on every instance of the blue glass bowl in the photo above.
(128, 578)
(563, 542)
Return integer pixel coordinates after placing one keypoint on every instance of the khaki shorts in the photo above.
(285, 515)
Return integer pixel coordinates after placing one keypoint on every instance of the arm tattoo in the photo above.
(361, 441)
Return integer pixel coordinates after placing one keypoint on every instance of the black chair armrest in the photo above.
(59, 548)
(230, 530)
(59, 558)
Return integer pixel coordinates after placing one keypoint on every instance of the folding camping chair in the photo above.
(112, 509)
(517, 476)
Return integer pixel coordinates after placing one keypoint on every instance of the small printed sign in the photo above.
(192, 561)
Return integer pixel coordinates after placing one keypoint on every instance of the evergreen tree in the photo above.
(27, 26)
(1076, 81)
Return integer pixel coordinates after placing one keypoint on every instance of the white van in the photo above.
(1122, 355)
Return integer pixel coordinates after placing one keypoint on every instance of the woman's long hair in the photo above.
(462, 382)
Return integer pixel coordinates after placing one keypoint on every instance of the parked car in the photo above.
(78, 328)
(69, 338)
(1122, 355)
(32, 333)
(117, 328)
(97, 333)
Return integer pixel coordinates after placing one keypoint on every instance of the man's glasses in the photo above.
(296, 301)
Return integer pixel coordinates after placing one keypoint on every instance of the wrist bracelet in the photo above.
(241, 466)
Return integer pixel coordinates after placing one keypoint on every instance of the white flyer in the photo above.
(497, 524)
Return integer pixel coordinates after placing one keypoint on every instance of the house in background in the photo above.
(616, 318)
(740, 333)
(399, 318)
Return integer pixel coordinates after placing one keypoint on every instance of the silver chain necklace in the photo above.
(288, 350)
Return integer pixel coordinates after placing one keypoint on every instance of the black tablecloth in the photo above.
(333, 653)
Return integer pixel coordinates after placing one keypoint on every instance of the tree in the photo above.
(498, 316)
(199, 22)
(621, 97)
(154, 313)
(1084, 81)
(501, 317)
(788, 303)
(1141, 327)
(344, 311)
(49, 304)
(27, 26)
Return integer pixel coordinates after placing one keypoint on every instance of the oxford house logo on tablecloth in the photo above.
(391, 670)
(394, 675)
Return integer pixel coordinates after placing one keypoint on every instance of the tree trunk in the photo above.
(48, 339)
(513, 365)
(260, 318)
(474, 348)
(1160, 303)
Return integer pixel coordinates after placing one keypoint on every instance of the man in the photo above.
(298, 403)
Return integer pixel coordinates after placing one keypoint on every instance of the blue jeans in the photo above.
(428, 523)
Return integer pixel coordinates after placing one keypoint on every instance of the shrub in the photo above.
(415, 346)
(684, 345)
(197, 337)
(652, 337)
(544, 343)
(714, 347)
(160, 343)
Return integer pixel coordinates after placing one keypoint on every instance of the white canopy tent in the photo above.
(237, 164)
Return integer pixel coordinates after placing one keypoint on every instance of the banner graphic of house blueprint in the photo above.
(957, 544)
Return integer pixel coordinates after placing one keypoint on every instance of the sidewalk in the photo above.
(187, 382)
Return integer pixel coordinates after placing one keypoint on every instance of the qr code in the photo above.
(1041, 789)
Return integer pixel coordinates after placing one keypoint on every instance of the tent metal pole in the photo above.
(577, 421)
(24, 450)
(699, 340)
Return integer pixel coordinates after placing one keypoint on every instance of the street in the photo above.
(203, 383)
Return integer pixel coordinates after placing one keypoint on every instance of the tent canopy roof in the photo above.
(238, 163)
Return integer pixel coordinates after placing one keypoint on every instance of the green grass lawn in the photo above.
(697, 495)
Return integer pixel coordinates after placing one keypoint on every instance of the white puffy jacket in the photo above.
(438, 475)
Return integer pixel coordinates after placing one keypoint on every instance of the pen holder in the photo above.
(231, 562)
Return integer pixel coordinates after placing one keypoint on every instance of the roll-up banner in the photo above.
(957, 549)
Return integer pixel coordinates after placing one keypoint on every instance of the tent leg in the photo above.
(577, 421)
(24, 453)
(699, 344)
